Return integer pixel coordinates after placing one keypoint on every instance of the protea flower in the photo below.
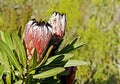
(58, 23)
(36, 36)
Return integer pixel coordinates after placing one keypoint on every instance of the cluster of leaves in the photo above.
(14, 67)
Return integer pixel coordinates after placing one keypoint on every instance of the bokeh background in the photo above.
(95, 22)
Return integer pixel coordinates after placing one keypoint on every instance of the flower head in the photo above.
(36, 36)
(58, 23)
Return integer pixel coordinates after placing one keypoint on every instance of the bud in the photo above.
(58, 23)
(36, 36)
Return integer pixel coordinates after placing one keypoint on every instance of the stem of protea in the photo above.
(69, 79)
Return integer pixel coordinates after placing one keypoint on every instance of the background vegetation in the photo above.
(96, 22)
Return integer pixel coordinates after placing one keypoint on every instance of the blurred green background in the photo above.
(96, 22)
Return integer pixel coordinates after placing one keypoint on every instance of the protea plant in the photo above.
(58, 23)
(35, 59)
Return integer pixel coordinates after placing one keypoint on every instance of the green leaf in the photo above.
(33, 61)
(73, 41)
(61, 57)
(19, 49)
(49, 73)
(64, 49)
(29, 79)
(46, 56)
(5, 48)
(1, 58)
(7, 39)
(18, 82)
(70, 46)
(78, 45)
(2, 67)
(31, 72)
(19, 32)
(73, 47)
(75, 63)
(4, 60)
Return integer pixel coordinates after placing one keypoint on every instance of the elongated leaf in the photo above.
(20, 49)
(1, 59)
(1, 70)
(64, 49)
(78, 45)
(46, 56)
(33, 61)
(31, 72)
(73, 47)
(19, 32)
(49, 73)
(70, 46)
(18, 82)
(29, 80)
(10, 54)
(75, 63)
(73, 41)
(4, 60)
(62, 57)
(7, 39)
